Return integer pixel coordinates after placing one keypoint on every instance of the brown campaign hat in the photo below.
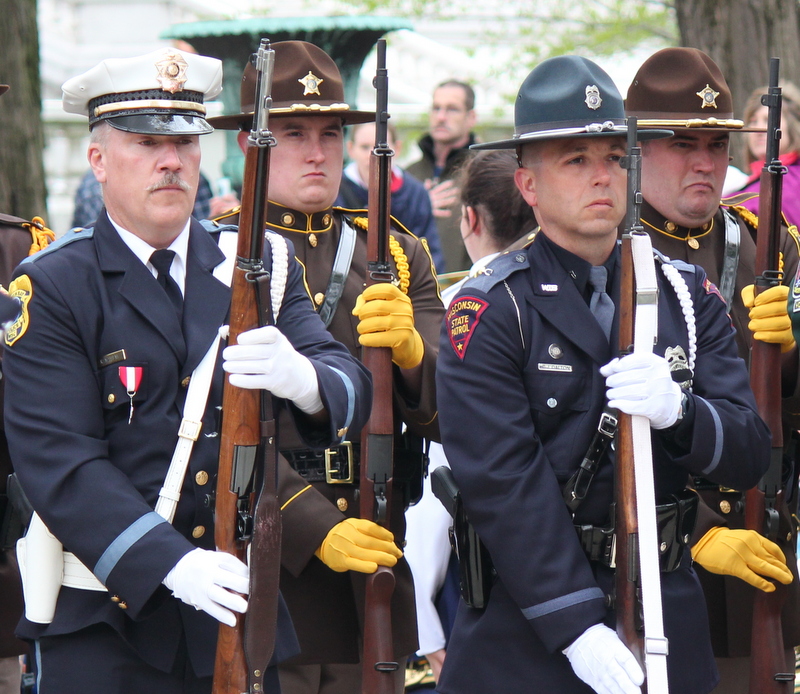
(682, 88)
(3, 88)
(305, 82)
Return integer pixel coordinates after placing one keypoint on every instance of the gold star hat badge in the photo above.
(709, 97)
(311, 84)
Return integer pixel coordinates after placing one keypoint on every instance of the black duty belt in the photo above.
(335, 465)
(676, 520)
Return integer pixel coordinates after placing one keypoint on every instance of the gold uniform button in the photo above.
(671, 226)
(115, 598)
(341, 432)
(198, 531)
(201, 477)
(185, 382)
(341, 504)
(312, 239)
(725, 506)
(287, 219)
(319, 297)
(122, 605)
(326, 220)
(111, 398)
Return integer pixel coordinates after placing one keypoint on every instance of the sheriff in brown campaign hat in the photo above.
(682, 88)
(306, 82)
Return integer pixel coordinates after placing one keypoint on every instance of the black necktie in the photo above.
(161, 260)
(601, 304)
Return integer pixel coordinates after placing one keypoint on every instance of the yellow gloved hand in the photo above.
(357, 544)
(769, 317)
(387, 320)
(744, 554)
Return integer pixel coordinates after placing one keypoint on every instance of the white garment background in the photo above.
(427, 549)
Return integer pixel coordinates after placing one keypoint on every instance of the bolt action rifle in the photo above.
(640, 623)
(768, 670)
(377, 462)
(246, 513)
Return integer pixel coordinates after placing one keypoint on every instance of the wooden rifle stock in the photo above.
(378, 664)
(626, 575)
(769, 673)
(246, 512)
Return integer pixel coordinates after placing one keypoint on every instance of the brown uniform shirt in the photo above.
(729, 599)
(326, 606)
(15, 242)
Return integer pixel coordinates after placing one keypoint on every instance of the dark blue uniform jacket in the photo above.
(520, 395)
(93, 477)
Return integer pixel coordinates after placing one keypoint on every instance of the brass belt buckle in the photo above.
(332, 474)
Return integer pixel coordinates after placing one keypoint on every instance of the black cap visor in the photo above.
(161, 124)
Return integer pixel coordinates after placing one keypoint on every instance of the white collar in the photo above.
(143, 250)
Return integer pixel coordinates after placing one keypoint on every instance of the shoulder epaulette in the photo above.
(226, 215)
(501, 268)
(678, 264)
(72, 235)
(360, 219)
(213, 226)
(41, 236)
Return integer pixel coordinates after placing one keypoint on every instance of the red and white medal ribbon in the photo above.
(131, 377)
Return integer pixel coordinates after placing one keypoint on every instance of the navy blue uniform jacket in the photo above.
(93, 477)
(520, 395)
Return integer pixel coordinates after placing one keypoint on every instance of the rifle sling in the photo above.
(730, 263)
(577, 486)
(341, 268)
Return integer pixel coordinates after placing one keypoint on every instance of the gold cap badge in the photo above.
(311, 83)
(172, 72)
(593, 100)
(709, 97)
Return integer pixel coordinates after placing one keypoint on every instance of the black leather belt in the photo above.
(676, 519)
(335, 465)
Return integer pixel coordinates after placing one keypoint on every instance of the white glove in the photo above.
(601, 660)
(641, 383)
(205, 579)
(264, 358)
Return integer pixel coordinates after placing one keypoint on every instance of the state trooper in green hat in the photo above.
(526, 367)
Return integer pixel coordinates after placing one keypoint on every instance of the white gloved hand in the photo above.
(641, 384)
(205, 579)
(264, 358)
(601, 660)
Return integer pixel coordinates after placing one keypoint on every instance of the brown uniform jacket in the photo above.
(730, 600)
(326, 606)
(15, 243)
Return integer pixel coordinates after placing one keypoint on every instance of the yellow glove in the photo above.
(357, 544)
(387, 320)
(744, 554)
(769, 317)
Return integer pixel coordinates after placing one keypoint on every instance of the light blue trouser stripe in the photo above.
(718, 439)
(38, 655)
(129, 537)
(351, 395)
(563, 602)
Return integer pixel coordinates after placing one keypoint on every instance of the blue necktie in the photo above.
(601, 305)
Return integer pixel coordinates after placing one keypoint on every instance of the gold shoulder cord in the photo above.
(401, 260)
(41, 236)
(752, 219)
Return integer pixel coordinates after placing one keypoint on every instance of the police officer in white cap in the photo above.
(98, 368)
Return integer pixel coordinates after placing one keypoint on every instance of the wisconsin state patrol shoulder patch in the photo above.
(463, 317)
(711, 288)
(21, 289)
